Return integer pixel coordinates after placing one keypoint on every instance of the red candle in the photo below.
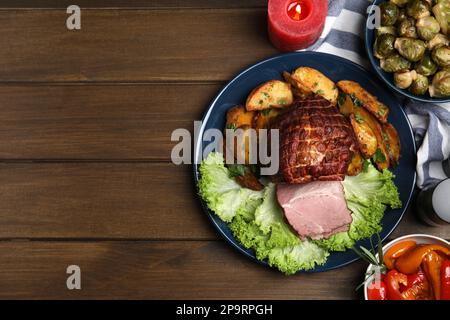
(296, 24)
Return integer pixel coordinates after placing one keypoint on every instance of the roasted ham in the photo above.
(316, 142)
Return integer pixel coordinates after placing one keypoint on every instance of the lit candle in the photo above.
(295, 25)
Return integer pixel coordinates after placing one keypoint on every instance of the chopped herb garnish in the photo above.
(266, 94)
(315, 84)
(359, 118)
(379, 157)
(282, 101)
(231, 126)
(357, 102)
(381, 112)
(266, 112)
(320, 92)
(236, 170)
(365, 166)
(385, 136)
(341, 99)
(255, 170)
(260, 101)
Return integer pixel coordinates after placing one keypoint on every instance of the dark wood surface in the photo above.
(86, 179)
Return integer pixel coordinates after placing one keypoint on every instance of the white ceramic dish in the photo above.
(418, 238)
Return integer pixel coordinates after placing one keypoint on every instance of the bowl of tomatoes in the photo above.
(412, 267)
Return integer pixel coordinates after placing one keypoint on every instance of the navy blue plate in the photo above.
(336, 68)
(388, 78)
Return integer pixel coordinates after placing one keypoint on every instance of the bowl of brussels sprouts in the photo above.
(410, 50)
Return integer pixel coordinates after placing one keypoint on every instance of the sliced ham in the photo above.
(315, 210)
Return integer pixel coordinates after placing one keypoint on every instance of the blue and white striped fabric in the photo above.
(343, 36)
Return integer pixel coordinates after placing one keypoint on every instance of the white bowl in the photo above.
(418, 238)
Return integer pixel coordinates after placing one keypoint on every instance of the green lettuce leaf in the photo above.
(372, 186)
(222, 193)
(367, 195)
(337, 242)
(304, 256)
(270, 219)
(250, 236)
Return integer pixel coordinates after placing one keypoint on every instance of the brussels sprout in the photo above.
(426, 66)
(383, 30)
(437, 41)
(411, 49)
(383, 46)
(389, 13)
(404, 78)
(418, 9)
(442, 13)
(441, 55)
(394, 63)
(441, 84)
(427, 28)
(420, 85)
(407, 28)
(400, 3)
(402, 16)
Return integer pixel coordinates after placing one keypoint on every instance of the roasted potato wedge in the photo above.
(345, 104)
(381, 155)
(262, 119)
(298, 89)
(392, 141)
(242, 145)
(272, 94)
(249, 180)
(365, 136)
(238, 117)
(312, 80)
(365, 99)
(356, 164)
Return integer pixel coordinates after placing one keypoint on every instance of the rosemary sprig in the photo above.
(370, 256)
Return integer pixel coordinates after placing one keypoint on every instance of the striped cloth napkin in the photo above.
(344, 36)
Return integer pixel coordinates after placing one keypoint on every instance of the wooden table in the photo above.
(85, 174)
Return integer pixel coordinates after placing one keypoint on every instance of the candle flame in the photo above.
(297, 9)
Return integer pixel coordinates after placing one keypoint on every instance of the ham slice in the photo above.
(315, 210)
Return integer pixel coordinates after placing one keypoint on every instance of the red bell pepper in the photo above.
(415, 279)
(432, 263)
(377, 291)
(415, 287)
(420, 291)
(393, 281)
(445, 280)
(410, 262)
(418, 287)
(396, 251)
